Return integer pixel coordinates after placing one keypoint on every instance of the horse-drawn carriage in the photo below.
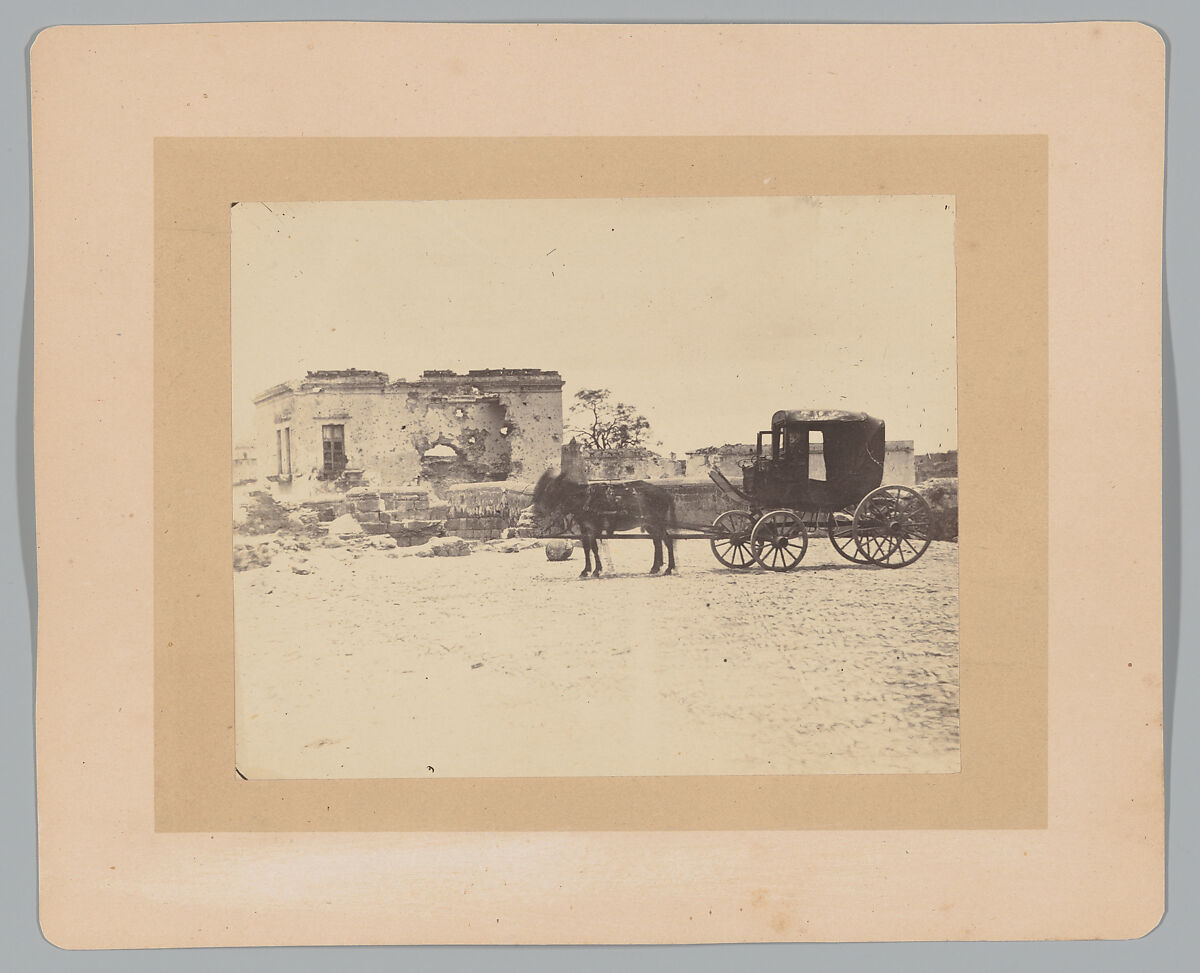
(783, 501)
(867, 523)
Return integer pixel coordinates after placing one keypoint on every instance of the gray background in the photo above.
(1167, 947)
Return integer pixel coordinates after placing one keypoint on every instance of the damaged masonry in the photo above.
(445, 453)
(337, 429)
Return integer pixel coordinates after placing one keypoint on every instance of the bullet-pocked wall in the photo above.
(334, 429)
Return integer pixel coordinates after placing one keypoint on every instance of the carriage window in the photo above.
(333, 443)
(816, 455)
(795, 444)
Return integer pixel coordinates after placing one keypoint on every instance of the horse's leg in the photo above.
(596, 551)
(668, 523)
(586, 536)
(657, 565)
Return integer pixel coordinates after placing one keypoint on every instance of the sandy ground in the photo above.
(382, 664)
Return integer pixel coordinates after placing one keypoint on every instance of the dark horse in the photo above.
(601, 508)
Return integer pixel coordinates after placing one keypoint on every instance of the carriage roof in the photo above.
(819, 417)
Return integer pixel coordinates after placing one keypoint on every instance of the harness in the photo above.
(607, 501)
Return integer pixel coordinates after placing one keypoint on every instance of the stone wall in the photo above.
(474, 511)
(409, 516)
(930, 466)
(729, 459)
(630, 464)
(257, 512)
(942, 495)
(484, 511)
(898, 463)
(698, 502)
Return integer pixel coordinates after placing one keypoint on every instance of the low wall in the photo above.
(484, 511)
(937, 466)
(629, 464)
(257, 512)
(729, 459)
(942, 496)
(475, 511)
(374, 509)
(698, 502)
(409, 516)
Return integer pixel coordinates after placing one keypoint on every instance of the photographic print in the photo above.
(595, 487)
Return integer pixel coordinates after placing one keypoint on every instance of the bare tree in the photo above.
(599, 423)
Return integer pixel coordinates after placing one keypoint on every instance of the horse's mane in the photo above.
(548, 493)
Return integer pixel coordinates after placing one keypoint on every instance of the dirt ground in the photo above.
(380, 663)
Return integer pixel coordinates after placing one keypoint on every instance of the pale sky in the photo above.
(708, 315)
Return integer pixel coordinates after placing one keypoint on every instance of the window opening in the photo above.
(333, 443)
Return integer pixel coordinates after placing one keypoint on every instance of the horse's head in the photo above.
(545, 493)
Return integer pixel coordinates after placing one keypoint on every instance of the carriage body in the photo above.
(851, 446)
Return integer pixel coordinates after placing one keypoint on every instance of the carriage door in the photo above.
(796, 452)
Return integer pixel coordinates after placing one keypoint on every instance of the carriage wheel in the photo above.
(842, 535)
(779, 540)
(891, 526)
(733, 547)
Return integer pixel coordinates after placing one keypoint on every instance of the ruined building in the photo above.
(334, 430)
